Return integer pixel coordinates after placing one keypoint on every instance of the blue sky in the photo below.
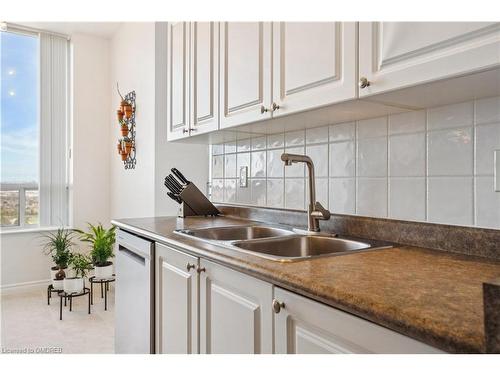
(19, 108)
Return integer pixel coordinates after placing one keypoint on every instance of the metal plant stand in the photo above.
(104, 289)
(50, 290)
(70, 296)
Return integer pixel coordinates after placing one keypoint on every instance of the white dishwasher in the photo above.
(134, 295)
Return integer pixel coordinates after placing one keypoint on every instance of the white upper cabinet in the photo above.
(204, 77)
(245, 72)
(304, 326)
(178, 117)
(235, 312)
(314, 64)
(395, 55)
(176, 284)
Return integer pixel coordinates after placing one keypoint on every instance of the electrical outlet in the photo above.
(243, 177)
(496, 169)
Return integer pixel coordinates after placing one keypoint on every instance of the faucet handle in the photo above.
(320, 212)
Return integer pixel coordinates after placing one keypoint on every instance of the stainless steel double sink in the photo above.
(279, 244)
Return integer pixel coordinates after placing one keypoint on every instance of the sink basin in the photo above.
(236, 233)
(301, 247)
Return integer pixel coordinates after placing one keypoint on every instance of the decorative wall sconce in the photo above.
(126, 119)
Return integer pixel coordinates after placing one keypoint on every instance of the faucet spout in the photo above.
(315, 210)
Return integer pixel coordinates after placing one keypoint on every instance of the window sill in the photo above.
(29, 230)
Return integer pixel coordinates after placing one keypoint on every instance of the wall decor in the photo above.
(126, 120)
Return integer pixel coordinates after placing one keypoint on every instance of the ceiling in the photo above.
(102, 29)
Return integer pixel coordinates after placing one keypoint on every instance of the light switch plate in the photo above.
(497, 169)
(243, 177)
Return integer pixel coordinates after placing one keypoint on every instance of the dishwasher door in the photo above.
(134, 300)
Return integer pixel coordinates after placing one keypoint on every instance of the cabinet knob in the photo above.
(200, 269)
(277, 306)
(263, 109)
(193, 129)
(275, 106)
(184, 131)
(363, 83)
(190, 266)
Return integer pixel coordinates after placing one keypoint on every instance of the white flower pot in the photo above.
(104, 272)
(58, 284)
(73, 285)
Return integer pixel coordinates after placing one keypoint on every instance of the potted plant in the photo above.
(119, 114)
(58, 245)
(128, 145)
(119, 146)
(102, 241)
(80, 264)
(124, 129)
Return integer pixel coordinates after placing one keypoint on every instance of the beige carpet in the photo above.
(29, 323)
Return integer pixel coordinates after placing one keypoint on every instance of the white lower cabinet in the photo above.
(176, 290)
(303, 326)
(203, 307)
(235, 312)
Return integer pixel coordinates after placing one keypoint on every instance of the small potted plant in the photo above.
(124, 129)
(102, 241)
(128, 145)
(119, 114)
(119, 146)
(58, 245)
(126, 108)
(124, 155)
(81, 264)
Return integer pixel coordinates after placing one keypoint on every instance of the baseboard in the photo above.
(18, 287)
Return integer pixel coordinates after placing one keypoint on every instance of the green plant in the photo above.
(81, 264)
(102, 241)
(59, 245)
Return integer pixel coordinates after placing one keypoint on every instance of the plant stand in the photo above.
(50, 290)
(70, 296)
(104, 289)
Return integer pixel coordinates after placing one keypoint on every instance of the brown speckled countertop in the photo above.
(433, 296)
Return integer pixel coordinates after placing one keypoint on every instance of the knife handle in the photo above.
(180, 176)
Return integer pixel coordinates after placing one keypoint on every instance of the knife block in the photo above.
(195, 203)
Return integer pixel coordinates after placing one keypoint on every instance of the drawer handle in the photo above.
(184, 131)
(263, 109)
(275, 107)
(363, 83)
(200, 269)
(190, 266)
(277, 306)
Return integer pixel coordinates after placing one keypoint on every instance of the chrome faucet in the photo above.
(315, 211)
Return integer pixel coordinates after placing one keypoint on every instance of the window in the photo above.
(33, 129)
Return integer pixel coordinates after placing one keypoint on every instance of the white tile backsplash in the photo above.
(294, 193)
(450, 200)
(450, 152)
(407, 154)
(372, 157)
(450, 116)
(432, 165)
(342, 195)
(342, 159)
(372, 197)
(487, 141)
(407, 198)
(407, 122)
(488, 110)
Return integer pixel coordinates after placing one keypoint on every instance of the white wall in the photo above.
(22, 260)
(133, 67)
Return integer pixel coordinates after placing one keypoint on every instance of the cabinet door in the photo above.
(176, 291)
(304, 326)
(245, 82)
(314, 64)
(178, 80)
(235, 312)
(394, 55)
(204, 77)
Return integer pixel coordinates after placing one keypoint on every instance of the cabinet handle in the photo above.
(263, 109)
(275, 106)
(277, 306)
(193, 129)
(363, 83)
(190, 266)
(200, 269)
(184, 131)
